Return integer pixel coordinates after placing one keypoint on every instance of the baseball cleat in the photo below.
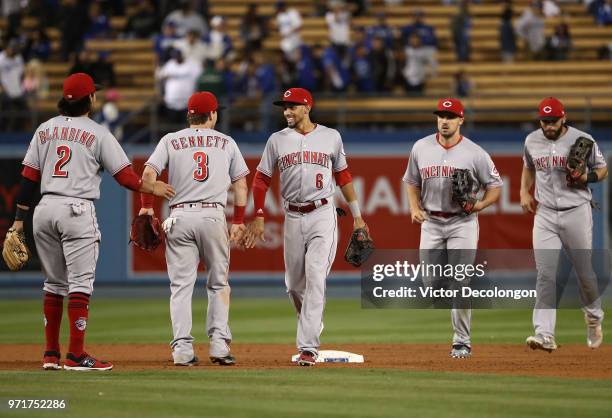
(307, 358)
(193, 362)
(228, 360)
(461, 351)
(51, 360)
(540, 342)
(86, 363)
(594, 334)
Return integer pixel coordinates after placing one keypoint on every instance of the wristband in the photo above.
(592, 177)
(238, 215)
(354, 207)
(20, 213)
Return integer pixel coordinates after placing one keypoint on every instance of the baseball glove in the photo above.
(146, 232)
(577, 159)
(463, 186)
(360, 247)
(15, 252)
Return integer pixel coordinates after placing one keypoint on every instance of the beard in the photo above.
(552, 135)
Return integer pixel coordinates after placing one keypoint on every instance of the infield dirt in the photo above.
(569, 361)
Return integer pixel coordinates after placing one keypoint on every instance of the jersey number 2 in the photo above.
(64, 153)
(201, 171)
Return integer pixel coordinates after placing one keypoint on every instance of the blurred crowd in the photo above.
(195, 51)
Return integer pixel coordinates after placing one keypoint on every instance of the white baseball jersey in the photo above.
(431, 168)
(202, 164)
(549, 158)
(70, 153)
(306, 162)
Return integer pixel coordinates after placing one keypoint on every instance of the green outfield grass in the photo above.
(297, 392)
(273, 321)
(308, 393)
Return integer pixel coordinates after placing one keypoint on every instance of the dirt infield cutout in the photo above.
(570, 361)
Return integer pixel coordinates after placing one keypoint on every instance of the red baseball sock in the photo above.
(53, 307)
(78, 312)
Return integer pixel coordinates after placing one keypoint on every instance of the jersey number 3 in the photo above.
(64, 153)
(201, 171)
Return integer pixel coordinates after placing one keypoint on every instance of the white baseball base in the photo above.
(334, 356)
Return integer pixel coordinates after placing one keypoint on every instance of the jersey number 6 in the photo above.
(64, 153)
(201, 171)
(319, 181)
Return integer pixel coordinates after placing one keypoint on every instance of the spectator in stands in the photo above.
(38, 45)
(305, 73)
(425, 32)
(604, 52)
(178, 77)
(109, 115)
(383, 65)
(218, 42)
(143, 22)
(254, 29)
(507, 36)
(462, 85)
(103, 71)
(14, 106)
(461, 24)
(559, 44)
(358, 7)
(72, 13)
(186, 18)
(320, 73)
(530, 27)
(338, 20)
(550, 8)
(362, 70)
(418, 66)
(192, 47)
(381, 30)
(35, 83)
(289, 24)
(12, 11)
(99, 24)
(82, 62)
(266, 83)
(211, 78)
(337, 75)
(164, 41)
(604, 13)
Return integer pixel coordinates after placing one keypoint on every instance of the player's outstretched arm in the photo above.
(527, 181)
(130, 180)
(417, 214)
(146, 200)
(238, 229)
(255, 230)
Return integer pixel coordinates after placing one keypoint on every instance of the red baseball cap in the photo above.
(296, 95)
(551, 108)
(79, 85)
(202, 102)
(450, 105)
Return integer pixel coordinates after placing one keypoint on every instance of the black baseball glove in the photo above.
(360, 247)
(146, 232)
(463, 186)
(577, 158)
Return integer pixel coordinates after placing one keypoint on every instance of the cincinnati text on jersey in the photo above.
(303, 157)
(198, 141)
(437, 171)
(67, 134)
(543, 163)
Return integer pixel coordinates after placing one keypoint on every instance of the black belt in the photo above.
(197, 205)
(444, 214)
(306, 208)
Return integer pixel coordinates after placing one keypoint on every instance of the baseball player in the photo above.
(66, 156)
(309, 157)
(563, 219)
(445, 224)
(203, 163)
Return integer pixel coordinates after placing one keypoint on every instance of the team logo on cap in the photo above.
(547, 109)
(447, 103)
(287, 93)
